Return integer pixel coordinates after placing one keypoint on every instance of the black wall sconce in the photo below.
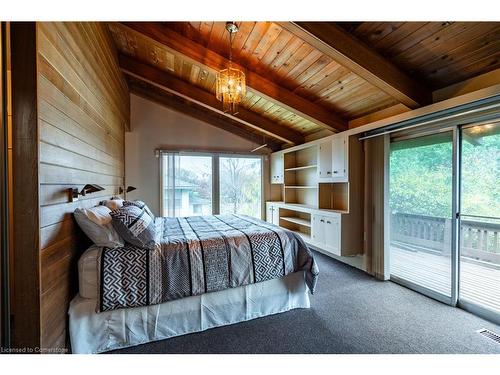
(129, 189)
(87, 189)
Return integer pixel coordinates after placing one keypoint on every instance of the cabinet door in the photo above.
(281, 169)
(318, 229)
(332, 235)
(338, 157)
(276, 215)
(277, 165)
(269, 213)
(325, 160)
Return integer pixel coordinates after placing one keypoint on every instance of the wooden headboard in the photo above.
(82, 112)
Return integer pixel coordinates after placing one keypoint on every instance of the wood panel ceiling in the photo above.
(439, 53)
(145, 49)
(272, 51)
(304, 77)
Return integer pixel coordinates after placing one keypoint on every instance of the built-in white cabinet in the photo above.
(320, 196)
(272, 213)
(277, 168)
(339, 158)
(318, 229)
(332, 234)
(325, 161)
(325, 232)
(332, 159)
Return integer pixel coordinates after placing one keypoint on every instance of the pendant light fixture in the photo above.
(231, 86)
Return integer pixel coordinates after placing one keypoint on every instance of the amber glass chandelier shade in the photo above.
(231, 88)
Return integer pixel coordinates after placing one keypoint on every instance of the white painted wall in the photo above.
(156, 127)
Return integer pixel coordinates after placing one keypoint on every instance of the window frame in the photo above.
(245, 156)
(215, 175)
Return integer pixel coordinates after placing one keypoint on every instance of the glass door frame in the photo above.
(469, 306)
(454, 299)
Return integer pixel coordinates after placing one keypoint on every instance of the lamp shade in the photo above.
(230, 89)
(91, 188)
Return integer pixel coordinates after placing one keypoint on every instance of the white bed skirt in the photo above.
(92, 332)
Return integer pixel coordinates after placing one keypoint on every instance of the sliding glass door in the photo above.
(240, 185)
(421, 191)
(480, 218)
(444, 197)
(206, 184)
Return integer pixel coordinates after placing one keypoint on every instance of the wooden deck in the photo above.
(479, 284)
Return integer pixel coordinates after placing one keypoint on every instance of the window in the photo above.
(205, 184)
(240, 185)
(186, 184)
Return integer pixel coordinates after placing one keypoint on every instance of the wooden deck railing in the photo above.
(479, 240)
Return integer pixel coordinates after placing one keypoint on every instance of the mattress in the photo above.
(87, 273)
(92, 332)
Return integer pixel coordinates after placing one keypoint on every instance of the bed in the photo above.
(201, 272)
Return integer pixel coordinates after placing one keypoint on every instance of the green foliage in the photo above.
(421, 177)
(481, 177)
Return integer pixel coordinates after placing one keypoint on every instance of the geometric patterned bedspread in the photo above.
(200, 254)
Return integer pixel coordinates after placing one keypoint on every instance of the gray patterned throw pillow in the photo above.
(141, 205)
(134, 225)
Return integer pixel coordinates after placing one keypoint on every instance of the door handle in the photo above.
(328, 172)
(335, 171)
(328, 222)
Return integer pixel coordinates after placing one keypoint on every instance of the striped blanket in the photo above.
(201, 254)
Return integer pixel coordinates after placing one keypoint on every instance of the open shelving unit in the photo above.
(334, 196)
(327, 212)
(297, 221)
(302, 168)
(301, 182)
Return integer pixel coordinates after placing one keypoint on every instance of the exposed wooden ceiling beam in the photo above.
(379, 115)
(176, 86)
(348, 51)
(193, 110)
(255, 83)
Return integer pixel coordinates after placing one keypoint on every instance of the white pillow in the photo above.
(113, 204)
(87, 273)
(96, 224)
(99, 214)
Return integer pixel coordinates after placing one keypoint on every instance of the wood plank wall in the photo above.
(83, 111)
(26, 297)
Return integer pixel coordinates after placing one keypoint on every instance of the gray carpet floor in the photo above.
(351, 312)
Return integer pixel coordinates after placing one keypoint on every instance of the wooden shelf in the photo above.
(301, 187)
(302, 206)
(301, 168)
(297, 220)
(305, 236)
